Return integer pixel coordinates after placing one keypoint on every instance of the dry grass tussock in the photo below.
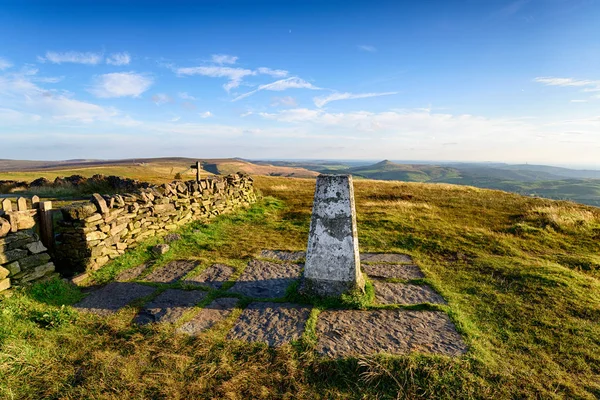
(563, 217)
(398, 204)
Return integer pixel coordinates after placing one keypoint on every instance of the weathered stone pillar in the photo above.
(332, 258)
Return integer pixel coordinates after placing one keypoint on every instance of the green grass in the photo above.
(521, 277)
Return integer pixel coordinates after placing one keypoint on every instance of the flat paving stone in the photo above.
(353, 332)
(132, 273)
(398, 271)
(282, 255)
(264, 279)
(386, 258)
(216, 311)
(169, 306)
(171, 272)
(112, 297)
(213, 277)
(405, 293)
(272, 323)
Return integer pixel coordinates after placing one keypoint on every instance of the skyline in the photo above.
(473, 81)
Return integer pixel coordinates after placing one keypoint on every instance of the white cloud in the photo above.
(206, 114)
(161, 98)
(4, 64)
(19, 93)
(235, 75)
(72, 57)
(280, 85)
(578, 101)
(364, 47)
(121, 84)
(186, 96)
(223, 59)
(287, 101)
(119, 59)
(275, 73)
(247, 113)
(552, 81)
(321, 101)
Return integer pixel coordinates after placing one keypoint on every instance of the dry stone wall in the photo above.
(23, 257)
(94, 232)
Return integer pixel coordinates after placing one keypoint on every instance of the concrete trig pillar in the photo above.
(332, 258)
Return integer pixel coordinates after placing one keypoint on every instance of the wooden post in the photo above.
(197, 168)
(35, 202)
(46, 226)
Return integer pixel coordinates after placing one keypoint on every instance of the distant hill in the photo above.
(387, 170)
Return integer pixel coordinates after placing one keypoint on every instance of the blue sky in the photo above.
(473, 80)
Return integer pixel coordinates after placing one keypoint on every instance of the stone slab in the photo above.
(272, 323)
(131, 273)
(171, 272)
(216, 311)
(398, 271)
(112, 297)
(386, 258)
(353, 332)
(169, 306)
(282, 255)
(405, 293)
(332, 258)
(263, 279)
(213, 277)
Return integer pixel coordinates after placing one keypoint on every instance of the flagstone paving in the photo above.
(169, 306)
(272, 323)
(353, 332)
(282, 255)
(398, 271)
(213, 277)
(268, 280)
(405, 293)
(131, 273)
(171, 272)
(385, 258)
(112, 297)
(340, 333)
(216, 311)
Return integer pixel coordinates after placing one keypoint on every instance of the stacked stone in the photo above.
(23, 258)
(92, 233)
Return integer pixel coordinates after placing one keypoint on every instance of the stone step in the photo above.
(398, 271)
(172, 272)
(212, 277)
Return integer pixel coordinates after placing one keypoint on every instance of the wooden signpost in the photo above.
(197, 168)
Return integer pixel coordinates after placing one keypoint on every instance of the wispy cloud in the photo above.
(578, 101)
(88, 58)
(161, 98)
(4, 64)
(368, 48)
(280, 85)
(186, 96)
(235, 75)
(119, 58)
(275, 73)
(223, 59)
(512, 8)
(323, 100)
(121, 84)
(19, 93)
(287, 101)
(206, 114)
(552, 81)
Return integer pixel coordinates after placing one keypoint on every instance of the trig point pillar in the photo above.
(332, 259)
